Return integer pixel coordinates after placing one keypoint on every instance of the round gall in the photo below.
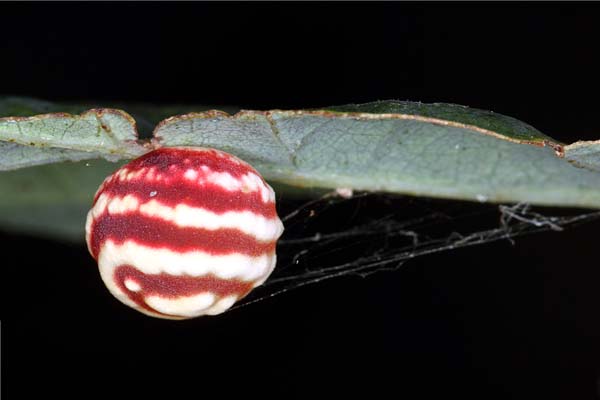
(182, 232)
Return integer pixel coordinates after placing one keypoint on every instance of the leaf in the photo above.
(499, 159)
(105, 132)
(494, 124)
(51, 200)
(16, 156)
(51, 132)
(146, 115)
(437, 150)
(584, 154)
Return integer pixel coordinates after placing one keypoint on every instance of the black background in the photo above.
(495, 321)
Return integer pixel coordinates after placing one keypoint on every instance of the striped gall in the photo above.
(182, 232)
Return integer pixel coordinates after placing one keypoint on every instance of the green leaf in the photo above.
(584, 154)
(146, 115)
(51, 200)
(436, 150)
(53, 132)
(504, 127)
(105, 132)
(425, 154)
(16, 156)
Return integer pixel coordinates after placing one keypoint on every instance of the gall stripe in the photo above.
(157, 233)
(261, 228)
(210, 197)
(196, 263)
(176, 286)
(183, 158)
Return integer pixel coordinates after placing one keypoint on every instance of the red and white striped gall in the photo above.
(182, 232)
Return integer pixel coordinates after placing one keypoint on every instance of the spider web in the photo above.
(334, 236)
